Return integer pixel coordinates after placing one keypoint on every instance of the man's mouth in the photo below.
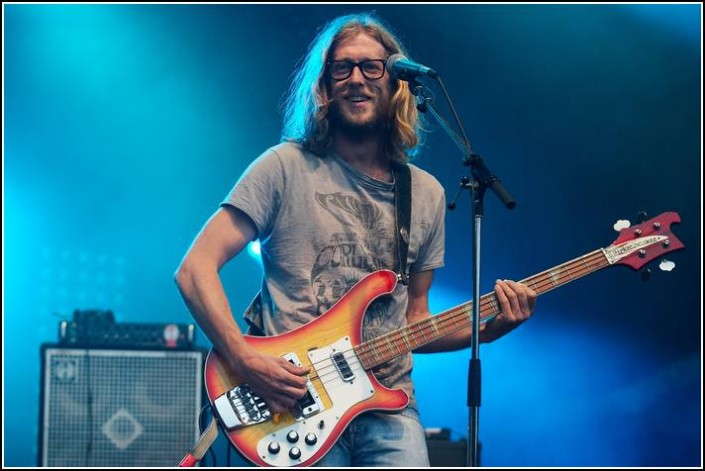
(357, 98)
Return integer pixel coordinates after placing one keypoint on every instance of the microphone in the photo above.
(402, 68)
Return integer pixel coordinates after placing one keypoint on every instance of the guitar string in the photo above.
(541, 282)
(450, 322)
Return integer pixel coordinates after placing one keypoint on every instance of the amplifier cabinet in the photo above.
(113, 408)
(447, 454)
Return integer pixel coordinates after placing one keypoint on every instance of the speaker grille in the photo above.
(119, 407)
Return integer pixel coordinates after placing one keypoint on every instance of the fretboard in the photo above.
(393, 344)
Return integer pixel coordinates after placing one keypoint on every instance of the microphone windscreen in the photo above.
(391, 65)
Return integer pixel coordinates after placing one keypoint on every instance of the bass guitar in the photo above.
(341, 384)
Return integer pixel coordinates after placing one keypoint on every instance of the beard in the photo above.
(375, 125)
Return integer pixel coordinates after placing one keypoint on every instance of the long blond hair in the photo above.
(306, 118)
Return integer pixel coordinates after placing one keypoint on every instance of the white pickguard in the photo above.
(343, 395)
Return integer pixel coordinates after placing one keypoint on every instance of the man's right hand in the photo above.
(276, 380)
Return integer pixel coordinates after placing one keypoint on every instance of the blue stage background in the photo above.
(125, 126)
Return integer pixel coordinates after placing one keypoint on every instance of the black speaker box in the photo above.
(447, 454)
(112, 408)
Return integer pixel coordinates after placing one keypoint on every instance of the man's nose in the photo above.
(356, 74)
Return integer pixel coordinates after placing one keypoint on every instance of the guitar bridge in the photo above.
(240, 407)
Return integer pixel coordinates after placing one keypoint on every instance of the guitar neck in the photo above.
(393, 344)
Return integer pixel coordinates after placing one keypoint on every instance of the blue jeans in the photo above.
(380, 439)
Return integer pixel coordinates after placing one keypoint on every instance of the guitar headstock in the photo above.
(638, 245)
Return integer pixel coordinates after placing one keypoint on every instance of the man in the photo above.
(322, 205)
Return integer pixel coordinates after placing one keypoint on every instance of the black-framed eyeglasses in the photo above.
(372, 69)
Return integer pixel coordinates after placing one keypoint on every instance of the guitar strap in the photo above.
(402, 204)
(202, 445)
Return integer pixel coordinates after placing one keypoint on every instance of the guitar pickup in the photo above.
(311, 403)
(341, 364)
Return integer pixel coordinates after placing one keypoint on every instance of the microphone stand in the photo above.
(482, 179)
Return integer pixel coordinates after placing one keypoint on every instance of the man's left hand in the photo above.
(517, 303)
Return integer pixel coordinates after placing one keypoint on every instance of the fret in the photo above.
(467, 310)
(362, 356)
(531, 282)
(582, 259)
(423, 334)
(402, 334)
(394, 343)
(493, 302)
(389, 345)
(434, 321)
(373, 349)
(455, 322)
(570, 275)
(412, 338)
(555, 275)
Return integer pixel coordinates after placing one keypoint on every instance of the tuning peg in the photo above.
(645, 274)
(621, 224)
(641, 217)
(666, 265)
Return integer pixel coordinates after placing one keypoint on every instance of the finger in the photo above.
(281, 400)
(293, 375)
(275, 406)
(513, 301)
(293, 369)
(504, 306)
(287, 396)
(287, 382)
(520, 292)
(528, 299)
(532, 294)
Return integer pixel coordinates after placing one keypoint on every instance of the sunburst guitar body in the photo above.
(341, 385)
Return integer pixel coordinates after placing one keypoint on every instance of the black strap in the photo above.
(402, 203)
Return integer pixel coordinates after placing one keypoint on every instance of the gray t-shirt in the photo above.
(323, 225)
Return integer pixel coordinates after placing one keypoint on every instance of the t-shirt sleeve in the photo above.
(258, 192)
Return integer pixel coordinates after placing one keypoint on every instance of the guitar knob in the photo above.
(273, 448)
(311, 439)
(295, 453)
(292, 436)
